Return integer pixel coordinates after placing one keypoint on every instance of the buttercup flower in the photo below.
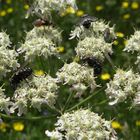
(5, 102)
(8, 56)
(124, 85)
(77, 76)
(82, 125)
(18, 126)
(94, 48)
(41, 41)
(39, 90)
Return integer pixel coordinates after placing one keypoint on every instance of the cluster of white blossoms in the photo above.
(77, 76)
(41, 41)
(37, 91)
(93, 47)
(133, 45)
(5, 102)
(82, 125)
(8, 56)
(92, 41)
(96, 29)
(45, 7)
(125, 85)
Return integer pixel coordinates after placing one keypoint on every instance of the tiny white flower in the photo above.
(8, 57)
(45, 7)
(133, 45)
(94, 48)
(5, 102)
(82, 124)
(38, 91)
(124, 85)
(41, 41)
(96, 29)
(77, 76)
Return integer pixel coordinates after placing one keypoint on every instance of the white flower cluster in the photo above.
(8, 59)
(124, 85)
(82, 125)
(77, 76)
(96, 29)
(4, 102)
(93, 47)
(133, 45)
(39, 90)
(41, 41)
(92, 41)
(45, 7)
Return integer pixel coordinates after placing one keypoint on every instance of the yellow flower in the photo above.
(125, 42)
(135, 5)
(3, 126)
(119, 34)
(70, 10)
(26, 6)
(60, 49)
(2, 13)
(116, 125)
(63, 14)
(80, 13)
(99, 7)
(76, 59)
(9, 10)
(125, 4)
(18, 126)
(105, 76)
(115, 42)
(138, 123)
(8, 1)
(39, 72)
(126, 16)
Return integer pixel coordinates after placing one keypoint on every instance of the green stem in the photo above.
(68, 101)
(86, 99)
(42, 64)
(26, 118)
(102, 102)
(110, 61)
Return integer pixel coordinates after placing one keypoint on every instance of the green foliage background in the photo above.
(16, 25)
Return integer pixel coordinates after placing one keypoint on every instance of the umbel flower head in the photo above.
(77, 76)
(124, 85)
(133, 45)
(45, 7)
(4, 39)
(41, 41)
(94, 48)
(97, 29)
(39, 90)
(82, 125)
(8, 59)
(5, 102)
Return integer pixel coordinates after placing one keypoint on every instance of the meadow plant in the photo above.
(75, 82)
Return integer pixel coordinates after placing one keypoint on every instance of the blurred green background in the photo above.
(125, 14)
